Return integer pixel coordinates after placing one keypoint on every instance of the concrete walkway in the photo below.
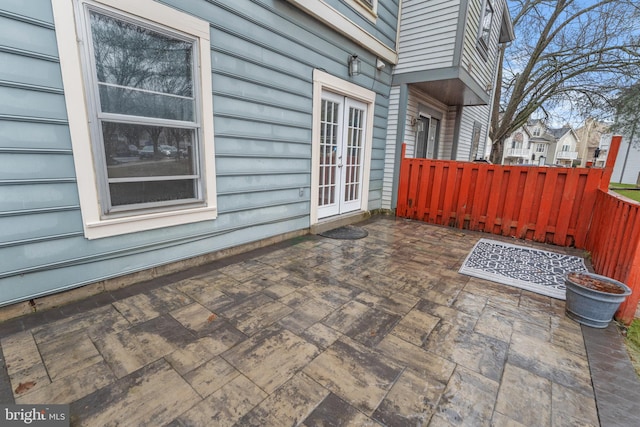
(311, 332)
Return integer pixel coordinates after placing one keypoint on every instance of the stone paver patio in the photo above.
(311, 332)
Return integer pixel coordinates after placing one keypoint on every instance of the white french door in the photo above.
(342, 139)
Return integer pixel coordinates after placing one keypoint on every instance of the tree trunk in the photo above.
(497, 149)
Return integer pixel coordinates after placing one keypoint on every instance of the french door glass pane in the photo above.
(328, 152)
(354, 154)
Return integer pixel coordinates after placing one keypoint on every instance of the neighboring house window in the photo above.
(566, 148)
(536, 131)
(518, 139)
(145, 68)
(475, 140)
(540, 148)
(485, 27)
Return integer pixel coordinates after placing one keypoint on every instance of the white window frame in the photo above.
(540, 148)
(323, 81)
(66, 13)
(368, 11)
(476, 134)
(483, 45)
(327, 14)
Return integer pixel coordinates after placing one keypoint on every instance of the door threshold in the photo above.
(336, 221)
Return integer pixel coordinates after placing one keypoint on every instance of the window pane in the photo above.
(148, 151)
(119, 100)
(128, 193)
(135, 63)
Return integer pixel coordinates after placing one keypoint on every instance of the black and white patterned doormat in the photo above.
(532, 269)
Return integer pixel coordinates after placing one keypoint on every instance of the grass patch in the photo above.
(631, 194)
(633, 344)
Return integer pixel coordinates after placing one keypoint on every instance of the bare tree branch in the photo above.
(578, 53)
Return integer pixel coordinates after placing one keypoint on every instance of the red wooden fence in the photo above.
(614, 243)
(545, 204)
(561, 206)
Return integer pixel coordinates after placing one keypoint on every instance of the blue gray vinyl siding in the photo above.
(470, 115)
(427, 35)
(417, 100)
(263, 55)
(482, 69)
(384, 27)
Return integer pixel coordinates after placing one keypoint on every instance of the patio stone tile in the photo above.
(569, 339)
(195, 354)
(569, 408)
(415, 327)
(468, 400)
(211, 376)
(218, 279)
(335, 412)
(525, 397)
(523, 314)
(298, 298)
(242, 271)
(72, 387)
(288, 405)
(411, 401)
(143, 307)
(501, 420)
(261, 317)
(462, 320)
(242, 290)
(196, 318)
(474, 351)
(23, 362)
(421, 361)
(321, 335)
(494, 324)
(469, 303)
(362, 323)
(130, 350)
(279, 290)
(551, 362)
(333, 295)
(536, 302)
(207, 295)
(28, 380)
(375, 284)
(68, 353)
(246, 305)
(224, 407)
(271, 357)
(136, 400)
(270, 275)
(123, 352)
(501, 294)
(396, 303)
(305, 316)
(533, 330)
(93, 322)
(162, 335)
(20, 352)
(355, 373)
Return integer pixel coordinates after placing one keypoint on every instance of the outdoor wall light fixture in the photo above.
(354, 65)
